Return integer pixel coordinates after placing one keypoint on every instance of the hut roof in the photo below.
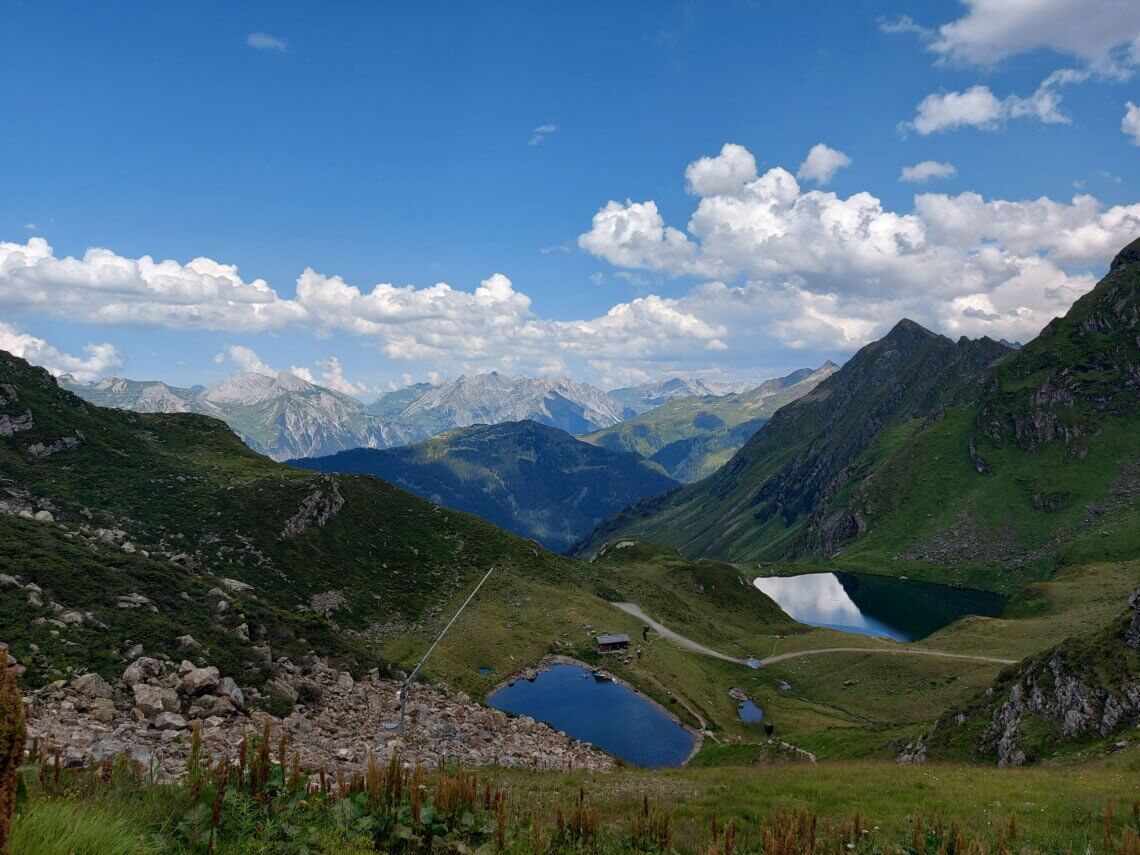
(613, 639)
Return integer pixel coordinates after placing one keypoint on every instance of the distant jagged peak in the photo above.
(251, 387)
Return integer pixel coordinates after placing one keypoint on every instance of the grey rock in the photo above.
(317, 509)
(236, 586)
(200, 681)
(92, 686)
(142, 669)
(170, 721)
(64, 443)
(152, 700)
(281, 688)
(229, 689)
(11, 425)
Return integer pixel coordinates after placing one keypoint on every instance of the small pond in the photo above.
(876, 605)
(749, 712)
(606, 714)
(484, 670)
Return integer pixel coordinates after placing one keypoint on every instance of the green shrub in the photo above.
(12, 736)
(308, 693)
(279, 705)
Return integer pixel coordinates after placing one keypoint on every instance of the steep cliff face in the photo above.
(1082, 368)
(1085, 690)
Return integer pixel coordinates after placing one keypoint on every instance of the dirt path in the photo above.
(689, 644)
(678, 639)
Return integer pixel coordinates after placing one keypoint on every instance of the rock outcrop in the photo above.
(64, 443)
(317, 509)
(1083, 690)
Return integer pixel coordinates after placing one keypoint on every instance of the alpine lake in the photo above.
(615, 718)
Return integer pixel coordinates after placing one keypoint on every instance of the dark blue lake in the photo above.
(876, 605)
(608, 715)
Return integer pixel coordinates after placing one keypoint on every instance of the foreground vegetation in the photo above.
(261, 801)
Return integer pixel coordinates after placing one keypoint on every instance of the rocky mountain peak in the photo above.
(1129, 255)
(908, 328)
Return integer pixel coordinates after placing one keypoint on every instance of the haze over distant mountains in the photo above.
(284, 416)
(691, 436)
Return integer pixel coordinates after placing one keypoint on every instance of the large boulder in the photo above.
(153, 700)
(91, 686)
(211, 705)
(170, 721)
(200, 681)
(142, 669)
(229, 689)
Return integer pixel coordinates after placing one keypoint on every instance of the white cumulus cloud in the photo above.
(808, 267)
(920, 173)
(725, 174)
(980, 108)
(1097, 31)
(100, 358)
(330, 374)
(244, 358)
(1130, 124)
(977, 107)
(822, 163)
(105, 288)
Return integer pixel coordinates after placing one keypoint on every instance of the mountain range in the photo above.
(532, 479)
(283, 416)
(960, 462)
(638, 399)
(904, 457)
(279, 416)
(691, 436)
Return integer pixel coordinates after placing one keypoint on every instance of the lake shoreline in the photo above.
(549, 661)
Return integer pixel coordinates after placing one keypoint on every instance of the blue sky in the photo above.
(397, 143)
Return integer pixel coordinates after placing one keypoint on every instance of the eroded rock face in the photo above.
(1065, 700)
(1132, 631)
(14, 424)
(1085, 688)
(317, 508)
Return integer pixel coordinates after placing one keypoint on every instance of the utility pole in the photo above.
(402, 695)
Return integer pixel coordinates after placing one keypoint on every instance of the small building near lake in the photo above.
(612, 643)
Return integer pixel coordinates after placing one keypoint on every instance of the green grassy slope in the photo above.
(184, 489)
(532, 479)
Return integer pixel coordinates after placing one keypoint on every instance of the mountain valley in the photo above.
(534, 480)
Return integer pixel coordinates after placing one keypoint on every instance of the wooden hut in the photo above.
(613, 643)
